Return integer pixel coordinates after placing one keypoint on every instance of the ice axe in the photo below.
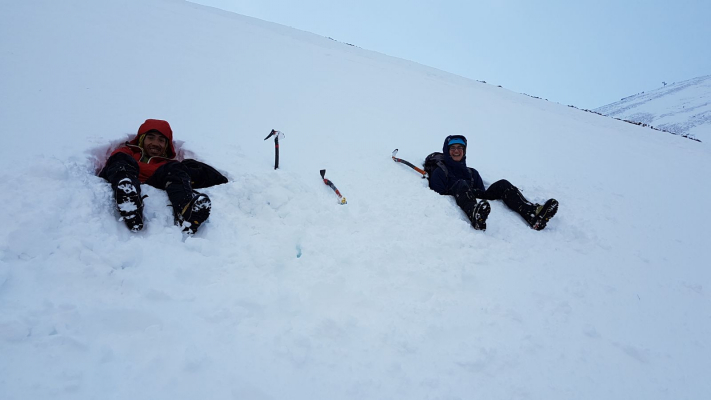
(330, 184)
(277, 135)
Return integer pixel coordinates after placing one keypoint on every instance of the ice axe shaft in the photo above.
(409, 164)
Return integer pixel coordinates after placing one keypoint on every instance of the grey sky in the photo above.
(583, 53)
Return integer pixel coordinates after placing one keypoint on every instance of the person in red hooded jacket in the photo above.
(150, 158)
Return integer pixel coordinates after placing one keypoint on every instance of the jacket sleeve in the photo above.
(476, 180)
(438, 181)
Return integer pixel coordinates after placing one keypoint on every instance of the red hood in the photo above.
(157, 125)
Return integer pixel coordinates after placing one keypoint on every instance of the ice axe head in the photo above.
(394, 153)
(270, 134)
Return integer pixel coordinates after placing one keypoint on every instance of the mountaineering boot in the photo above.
(543, 213)
(479, 215)
(193, 214)
(129, 204)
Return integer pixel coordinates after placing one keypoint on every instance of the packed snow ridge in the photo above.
(682, 108)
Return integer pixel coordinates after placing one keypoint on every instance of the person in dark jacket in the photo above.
(150, 158)
(453, 177)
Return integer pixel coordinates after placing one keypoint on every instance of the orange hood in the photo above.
(156, 125)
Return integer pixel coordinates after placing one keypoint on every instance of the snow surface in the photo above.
(284, 293)
(683, 108)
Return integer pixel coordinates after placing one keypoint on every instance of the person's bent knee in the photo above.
(119, 164)
(122, 158)
(460, 186)
(503, 184)
(176, 168)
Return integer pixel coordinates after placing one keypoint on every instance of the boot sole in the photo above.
(130, 206)
(549, 210)
(200, 208)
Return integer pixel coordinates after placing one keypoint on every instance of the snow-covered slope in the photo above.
(284, 294)
(683, 108)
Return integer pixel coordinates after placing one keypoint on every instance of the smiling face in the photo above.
(456, 151)
(154, 144)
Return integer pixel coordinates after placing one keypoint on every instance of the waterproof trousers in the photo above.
(172, 177)
(466, 197)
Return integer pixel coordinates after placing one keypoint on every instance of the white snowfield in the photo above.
(284, 293)
(683, 108)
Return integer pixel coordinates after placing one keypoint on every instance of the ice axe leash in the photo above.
(409, 164)
(330, 184)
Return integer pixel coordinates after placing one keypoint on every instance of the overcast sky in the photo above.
(584, 53)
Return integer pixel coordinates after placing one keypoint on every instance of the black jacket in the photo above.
(442, 180)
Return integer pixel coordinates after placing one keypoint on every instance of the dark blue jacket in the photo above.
(442, 181)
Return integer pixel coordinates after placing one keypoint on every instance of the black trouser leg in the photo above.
(120, 166)
(512, 197)
(465, 196)
(174, 178)
(129, 203)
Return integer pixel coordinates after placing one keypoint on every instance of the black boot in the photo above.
(479, 215)
(466, 198)
(129, 204)
(543, 213)
(191, 215)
